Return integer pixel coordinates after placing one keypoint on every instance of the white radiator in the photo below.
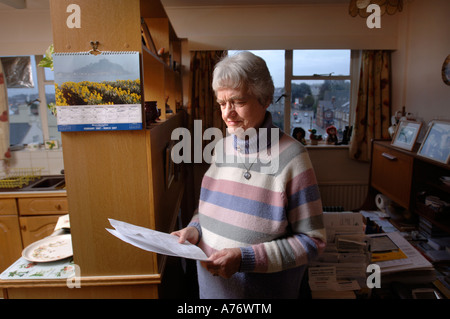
(347, 195)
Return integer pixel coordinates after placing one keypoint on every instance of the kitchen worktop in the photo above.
(27, 191)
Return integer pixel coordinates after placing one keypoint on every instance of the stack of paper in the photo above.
(155, 241)
(409, 267)
(342, 266)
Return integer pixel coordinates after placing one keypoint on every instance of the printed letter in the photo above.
(74, 20)
(373, 21)
(374, 280)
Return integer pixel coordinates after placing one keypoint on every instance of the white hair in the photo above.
(244, 70)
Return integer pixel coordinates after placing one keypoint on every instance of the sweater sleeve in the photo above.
(303, 208)
(196, 224)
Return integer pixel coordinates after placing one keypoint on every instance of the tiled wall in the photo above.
(50, 160)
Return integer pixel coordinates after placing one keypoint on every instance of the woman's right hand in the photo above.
(189, 233)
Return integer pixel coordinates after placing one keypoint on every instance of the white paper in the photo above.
(342, 223)
(325, 278)
(155, 241)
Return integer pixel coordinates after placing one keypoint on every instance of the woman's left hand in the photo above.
(224, 263)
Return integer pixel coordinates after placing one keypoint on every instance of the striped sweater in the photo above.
(275, 217)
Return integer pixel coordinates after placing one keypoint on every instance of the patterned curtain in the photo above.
(4, 119)
(373, 109)
(203, 105)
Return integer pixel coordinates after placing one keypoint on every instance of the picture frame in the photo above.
(406, 134)
(436, 144)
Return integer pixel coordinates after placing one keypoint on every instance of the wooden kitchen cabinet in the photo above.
(10, 240)
(407, 179)
(25, 218)
(34, 228)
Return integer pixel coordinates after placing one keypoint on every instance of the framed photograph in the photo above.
(406, 134)
(436, 144)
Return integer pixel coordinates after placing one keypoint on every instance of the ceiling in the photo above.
(44, 4)
(24, 4)
(187, 3)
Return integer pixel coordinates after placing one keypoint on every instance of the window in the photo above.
(30, 119)
(312, 88)
(320, 90)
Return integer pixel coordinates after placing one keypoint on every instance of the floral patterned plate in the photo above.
(49, 249)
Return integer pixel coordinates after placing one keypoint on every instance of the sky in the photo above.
(306, 62)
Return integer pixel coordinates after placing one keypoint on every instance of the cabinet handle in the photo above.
(389, 156)
(58, 206)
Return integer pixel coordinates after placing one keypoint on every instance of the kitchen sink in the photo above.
(47, 183)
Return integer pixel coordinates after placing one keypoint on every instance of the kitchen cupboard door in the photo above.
(34, 228)
(8, 206)
(10, 241)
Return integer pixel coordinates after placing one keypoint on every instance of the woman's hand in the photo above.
(224, 263)
(189, 233)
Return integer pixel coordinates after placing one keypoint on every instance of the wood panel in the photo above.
(106, 178)
(159, 31)
(99, 292)
(114, 23)
(8, 206)
(166, 199)
(43, 206)
(153, 80)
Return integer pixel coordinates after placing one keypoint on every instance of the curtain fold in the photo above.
(203, 105)
(4, 118)
(373, 109)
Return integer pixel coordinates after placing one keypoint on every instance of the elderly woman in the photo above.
(258, 227)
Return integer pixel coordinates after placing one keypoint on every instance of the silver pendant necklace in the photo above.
(247, 174)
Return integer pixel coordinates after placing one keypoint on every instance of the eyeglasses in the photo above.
(234, 102)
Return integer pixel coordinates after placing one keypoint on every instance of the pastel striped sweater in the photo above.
(275, 217)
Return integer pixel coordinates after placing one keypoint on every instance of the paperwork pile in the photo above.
(342, 266)
(402, 264)
(155, 241)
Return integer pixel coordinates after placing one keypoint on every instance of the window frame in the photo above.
(289, 77)
(42, 81)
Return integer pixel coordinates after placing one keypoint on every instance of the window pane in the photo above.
(275, 62)
(318, 104)
(49, 74)
(51, 118)
(321, 62)
(25, 122)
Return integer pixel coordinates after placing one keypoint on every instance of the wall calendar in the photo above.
(98, 92)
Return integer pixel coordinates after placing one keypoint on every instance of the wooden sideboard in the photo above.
(407, 179)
